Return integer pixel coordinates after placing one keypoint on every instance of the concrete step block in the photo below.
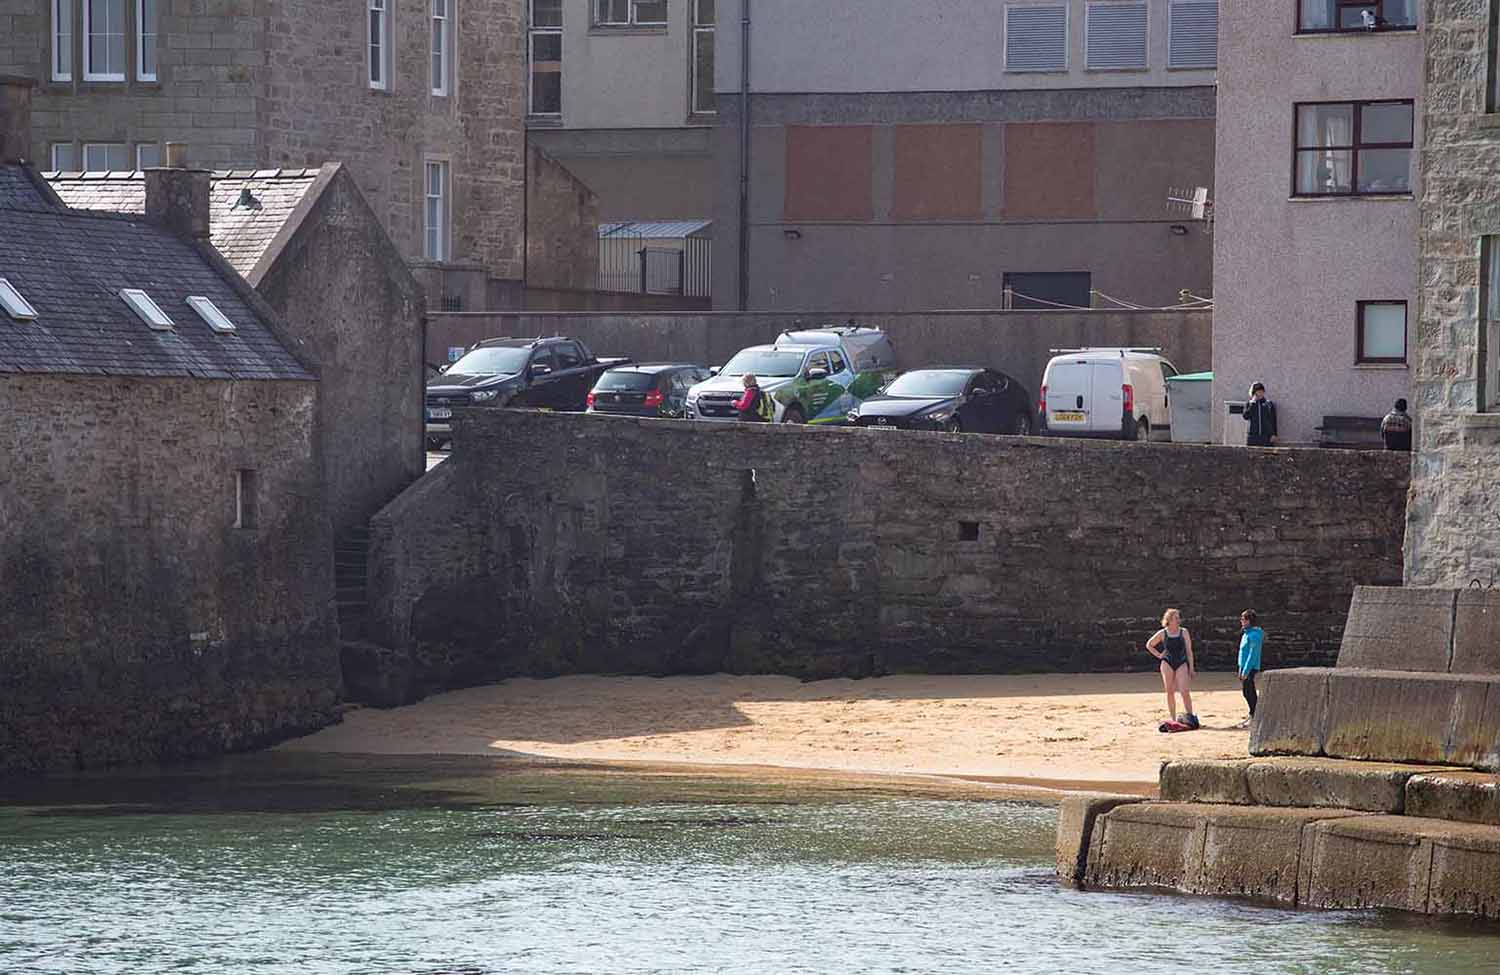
(1075, 828)
(1458, 796)
(1476, 633)
(1407, 717)
(1378, 787)
(1398, 629)
(1292, 716)
(1408, 863)
(1206, 780)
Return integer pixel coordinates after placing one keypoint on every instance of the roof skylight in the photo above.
(148, 310)
(14, 304)
(209, 312)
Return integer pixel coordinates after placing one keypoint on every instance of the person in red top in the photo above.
(751, 407)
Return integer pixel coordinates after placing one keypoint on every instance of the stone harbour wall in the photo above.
(553, 544)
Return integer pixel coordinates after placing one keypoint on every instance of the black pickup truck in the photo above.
(556, 373)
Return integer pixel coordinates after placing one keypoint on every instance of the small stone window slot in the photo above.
(246, 498)
(968, 531)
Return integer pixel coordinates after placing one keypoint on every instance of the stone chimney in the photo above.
(176, 196)
(15, 118)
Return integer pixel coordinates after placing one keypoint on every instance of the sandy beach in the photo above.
(1054, 731)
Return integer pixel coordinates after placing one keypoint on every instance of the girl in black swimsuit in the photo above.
(1173, 646)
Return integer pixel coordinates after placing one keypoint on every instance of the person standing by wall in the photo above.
(752, 407)
(1395, 427)
(1260, 413)
(1252, 638)
(1177, 665)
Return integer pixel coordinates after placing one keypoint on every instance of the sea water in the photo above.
(307, 865)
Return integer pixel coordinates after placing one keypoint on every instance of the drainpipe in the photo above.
(744, 155)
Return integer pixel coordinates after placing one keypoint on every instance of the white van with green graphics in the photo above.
(812, 375)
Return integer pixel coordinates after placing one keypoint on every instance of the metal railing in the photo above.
(628, 263)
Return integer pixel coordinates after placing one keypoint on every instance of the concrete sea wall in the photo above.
(553, 544)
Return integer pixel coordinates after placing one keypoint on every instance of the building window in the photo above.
(630, 13)
(546, 57)
(1382, 332)
(62, 157)
(62, 40)
(1492, 61)
(1353, 149)
(703, 57)
(435, 246)
(1193, 34)
(100, 157)
(1036, 38)
(442, 45)
(1049, 289)
(147, 155)
(104, 40)
(380, 44)
(1116, 36)
(1489, 324)
(145, 40)
(246, 499)
(1333, 16)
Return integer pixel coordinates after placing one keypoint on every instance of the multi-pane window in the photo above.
(104, 40)
(145, 40)
(1193, 34)
(380, 44)
(101, 157)
(442, 45)
(1382, 332)
(1116, 35)
(435, 242)
(1489, 324)
(1326, 16)
(1036, 38)
(62, 40)
(703, 57)
(545, 52)
(630, 13)
(62, 157)
(1353, 148)
(147, 155)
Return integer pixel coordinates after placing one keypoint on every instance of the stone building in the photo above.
(166, 580)
(1315, 231)
(912, 158)
(1451, 536)
(422, 101)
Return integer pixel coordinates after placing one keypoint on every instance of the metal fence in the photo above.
(646, 262)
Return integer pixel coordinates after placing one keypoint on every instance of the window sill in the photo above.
(1037, 71)
(1354, 197)
(1137, 70)
(1489, 120)
(544, 121)
(637, 30)
(1383, 366)
(704, 119)
(1355, 32)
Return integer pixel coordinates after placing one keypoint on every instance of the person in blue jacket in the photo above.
(1252, 638)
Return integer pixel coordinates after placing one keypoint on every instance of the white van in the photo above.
(1106, 393)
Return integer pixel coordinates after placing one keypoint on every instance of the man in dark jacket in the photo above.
(1395, 428)
(1260, 413)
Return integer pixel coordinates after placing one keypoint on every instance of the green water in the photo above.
(306, 866)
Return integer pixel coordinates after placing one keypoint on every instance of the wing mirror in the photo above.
(540, 370)
(817, 372)
(714, 370)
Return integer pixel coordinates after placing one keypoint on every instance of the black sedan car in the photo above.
(958, 399)
(646, 389)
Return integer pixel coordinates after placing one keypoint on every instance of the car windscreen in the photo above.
(764, 363)
(614, 380)
(494, 361)
(929, 382)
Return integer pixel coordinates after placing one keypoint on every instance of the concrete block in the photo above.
(1392, 716)
(1370, 861)
(1465, 872)
(1476, 633)
(1469, 797)
(1154, 845)
(1254, 851)
(1330, 783)
(1206, 780)
(1075, 829)
(1292, 717)
(1398, 629)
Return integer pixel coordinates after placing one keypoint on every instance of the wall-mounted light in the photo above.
(1179, 229)
(792, 233)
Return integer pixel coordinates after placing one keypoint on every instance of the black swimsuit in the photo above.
(1175, 648)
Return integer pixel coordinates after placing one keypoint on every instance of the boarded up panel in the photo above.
(1049, 171)
(829, 172)
(938, 172)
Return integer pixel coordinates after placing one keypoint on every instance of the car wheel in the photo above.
(793, 414)
(1022, 425)
(954, 425)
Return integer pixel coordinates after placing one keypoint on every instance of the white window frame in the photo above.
(632, 14)
(15, 303)
(89, 74)
(532, 33)
(52, 157)
(62, 39)
(443, 250)
(210, 313)
(378, 44)
(246, 498)
(145, 27)
(1067, 64)
(106, 146)
(141, 166)
(147, 309)
(699, 30)
(1088, 34)
(442, 24)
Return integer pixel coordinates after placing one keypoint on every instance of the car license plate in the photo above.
(440, 413)
(1069, 416)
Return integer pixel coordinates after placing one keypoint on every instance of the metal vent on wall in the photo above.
(451, 303)
(1117, 36)
(1194, 34)
(1036, 38)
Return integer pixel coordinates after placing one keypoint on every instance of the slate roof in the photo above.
(240, 231)
(71, 264)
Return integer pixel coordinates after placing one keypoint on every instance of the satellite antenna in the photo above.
(1194, 202)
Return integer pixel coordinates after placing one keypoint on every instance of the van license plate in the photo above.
(1069, 416)
(439, 413)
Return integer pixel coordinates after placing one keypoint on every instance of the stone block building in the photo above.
(1455, 503)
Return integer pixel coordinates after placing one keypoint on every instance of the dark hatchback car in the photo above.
(961, 399)
(646, 389)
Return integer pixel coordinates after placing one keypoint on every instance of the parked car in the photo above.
(812, 375)
(957, 399)
(646, 389)
(1106, 393)
(556, 373)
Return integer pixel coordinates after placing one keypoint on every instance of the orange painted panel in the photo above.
(1049, 171)
(938, 172)
(829, 172)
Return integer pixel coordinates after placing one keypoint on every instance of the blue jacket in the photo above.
(1250, 644)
